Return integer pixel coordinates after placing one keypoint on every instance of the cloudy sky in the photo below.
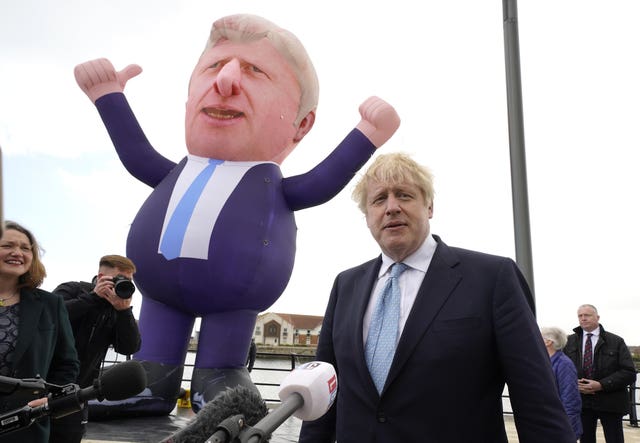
(441, 66)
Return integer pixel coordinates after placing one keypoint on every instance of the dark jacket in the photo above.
(96, 326)
(613, 368)
(44, 348)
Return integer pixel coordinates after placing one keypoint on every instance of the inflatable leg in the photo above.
(206, 383)
(159, 398)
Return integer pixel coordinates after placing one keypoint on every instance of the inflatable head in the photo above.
(252, 94)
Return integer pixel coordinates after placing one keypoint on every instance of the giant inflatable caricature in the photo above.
(216, 238)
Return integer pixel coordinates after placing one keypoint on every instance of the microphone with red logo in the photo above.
(307, 393)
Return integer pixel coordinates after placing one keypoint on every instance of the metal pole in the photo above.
(519, 194)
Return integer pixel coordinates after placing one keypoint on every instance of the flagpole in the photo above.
(519, 194)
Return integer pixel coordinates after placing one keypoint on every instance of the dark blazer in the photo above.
(613, 368)
(470, 330)
(44, 348)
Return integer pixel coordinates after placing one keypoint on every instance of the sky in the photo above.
(441, 65)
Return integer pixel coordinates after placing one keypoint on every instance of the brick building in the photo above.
(275, 329)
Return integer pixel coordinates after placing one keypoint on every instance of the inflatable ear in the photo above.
(305, 126)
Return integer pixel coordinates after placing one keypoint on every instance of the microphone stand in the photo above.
(233, 429)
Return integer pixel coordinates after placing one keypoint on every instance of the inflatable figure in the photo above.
(216, 238)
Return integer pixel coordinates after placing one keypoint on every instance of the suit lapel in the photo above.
(30, 311)
(362, 287)
(437, 286)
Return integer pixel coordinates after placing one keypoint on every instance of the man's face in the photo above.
(242, 105)
(588, 318)
(397, 218)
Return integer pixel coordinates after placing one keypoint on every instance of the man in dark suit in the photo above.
(463, 329)
(605, 369)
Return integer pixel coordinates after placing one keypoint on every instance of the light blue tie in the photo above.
(171, 244)
(383, 329)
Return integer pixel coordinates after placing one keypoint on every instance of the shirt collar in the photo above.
(419, 260)
(595, 332)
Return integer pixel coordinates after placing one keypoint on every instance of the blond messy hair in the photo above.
(395, 168)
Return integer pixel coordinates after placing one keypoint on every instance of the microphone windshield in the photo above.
(232, 401)
(122, 380)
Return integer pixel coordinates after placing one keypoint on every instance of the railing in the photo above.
(298, 359)
(294, 359)
(632, 417)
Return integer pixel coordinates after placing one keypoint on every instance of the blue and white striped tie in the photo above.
(171, 244)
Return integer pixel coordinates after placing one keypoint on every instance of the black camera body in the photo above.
(123, 286)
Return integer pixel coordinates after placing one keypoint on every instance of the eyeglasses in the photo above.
(24, 248)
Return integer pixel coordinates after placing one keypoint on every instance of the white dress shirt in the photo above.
(409, 281)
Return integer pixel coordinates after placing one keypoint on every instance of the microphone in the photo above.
(233, 402)
(316, 382)
(118, 382)
(307, 393)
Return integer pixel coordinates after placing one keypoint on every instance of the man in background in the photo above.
(456, 325)
(101, 316)
(605, 369)
(251, 357)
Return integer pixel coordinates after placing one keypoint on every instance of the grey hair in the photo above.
(588, 306)
(556, 335)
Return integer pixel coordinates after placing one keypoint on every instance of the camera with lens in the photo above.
(123, 286)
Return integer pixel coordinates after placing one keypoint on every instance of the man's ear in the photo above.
(305, 126)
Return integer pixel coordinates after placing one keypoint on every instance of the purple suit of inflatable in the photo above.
(250, 252)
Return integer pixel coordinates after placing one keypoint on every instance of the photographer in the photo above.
(100, 315)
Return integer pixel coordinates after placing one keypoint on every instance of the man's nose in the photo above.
(227, 82)
(393, 205)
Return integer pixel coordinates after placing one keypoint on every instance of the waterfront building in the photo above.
(277, 329)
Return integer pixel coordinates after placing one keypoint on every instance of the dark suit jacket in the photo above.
(470, 330)
(44, 348)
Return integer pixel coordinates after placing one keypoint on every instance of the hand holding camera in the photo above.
(123, 286)
(117, 290)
